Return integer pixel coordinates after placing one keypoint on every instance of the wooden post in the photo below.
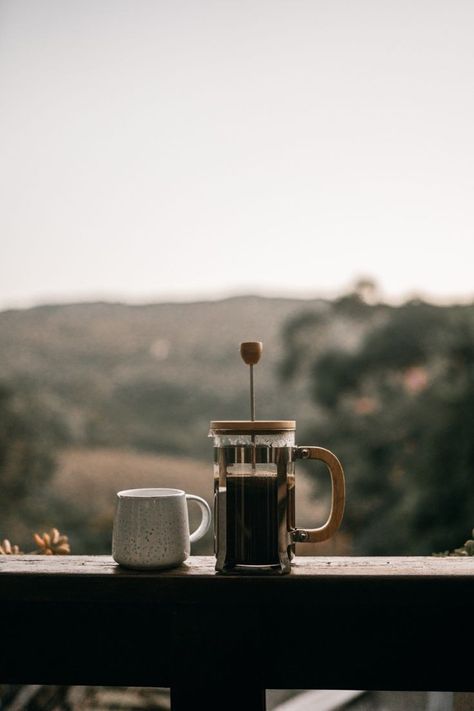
(224, 656)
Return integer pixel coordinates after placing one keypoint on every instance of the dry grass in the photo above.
(87, 481)
(97, 474)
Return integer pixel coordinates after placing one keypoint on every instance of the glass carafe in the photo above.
(254, 495)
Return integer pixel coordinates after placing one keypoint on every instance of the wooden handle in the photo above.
(314, 535)
(251, 352)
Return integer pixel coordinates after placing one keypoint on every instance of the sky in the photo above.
(173, 150)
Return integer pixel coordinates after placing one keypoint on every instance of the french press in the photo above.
(254, 490)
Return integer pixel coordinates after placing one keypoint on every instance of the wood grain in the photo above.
(203, 566)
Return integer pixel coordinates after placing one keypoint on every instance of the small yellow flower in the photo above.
(52, 543)
(6, 548)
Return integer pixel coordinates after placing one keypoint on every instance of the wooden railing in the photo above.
(333, 623)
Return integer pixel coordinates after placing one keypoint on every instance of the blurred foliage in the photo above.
(28, 437)
(394, 397)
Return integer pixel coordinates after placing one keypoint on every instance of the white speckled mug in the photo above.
(151, 528)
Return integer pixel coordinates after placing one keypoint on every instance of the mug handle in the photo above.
(203, 527)
(313, 535)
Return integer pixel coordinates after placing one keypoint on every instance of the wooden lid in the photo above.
(253, 425)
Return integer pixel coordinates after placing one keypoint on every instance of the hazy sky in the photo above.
(156, 149)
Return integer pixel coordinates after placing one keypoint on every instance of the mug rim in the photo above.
(158, 492)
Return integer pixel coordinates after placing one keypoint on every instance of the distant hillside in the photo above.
(148, 376)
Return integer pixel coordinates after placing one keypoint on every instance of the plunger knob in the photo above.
(251, 352)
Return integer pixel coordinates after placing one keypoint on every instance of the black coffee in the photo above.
(252, 520)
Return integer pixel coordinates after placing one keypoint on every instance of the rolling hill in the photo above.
(148, 376)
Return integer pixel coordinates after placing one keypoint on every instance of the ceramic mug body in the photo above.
(151, 528)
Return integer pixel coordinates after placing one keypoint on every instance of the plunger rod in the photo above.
(252, 396)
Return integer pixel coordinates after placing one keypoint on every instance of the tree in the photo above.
(397, 407)
(26, 459)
